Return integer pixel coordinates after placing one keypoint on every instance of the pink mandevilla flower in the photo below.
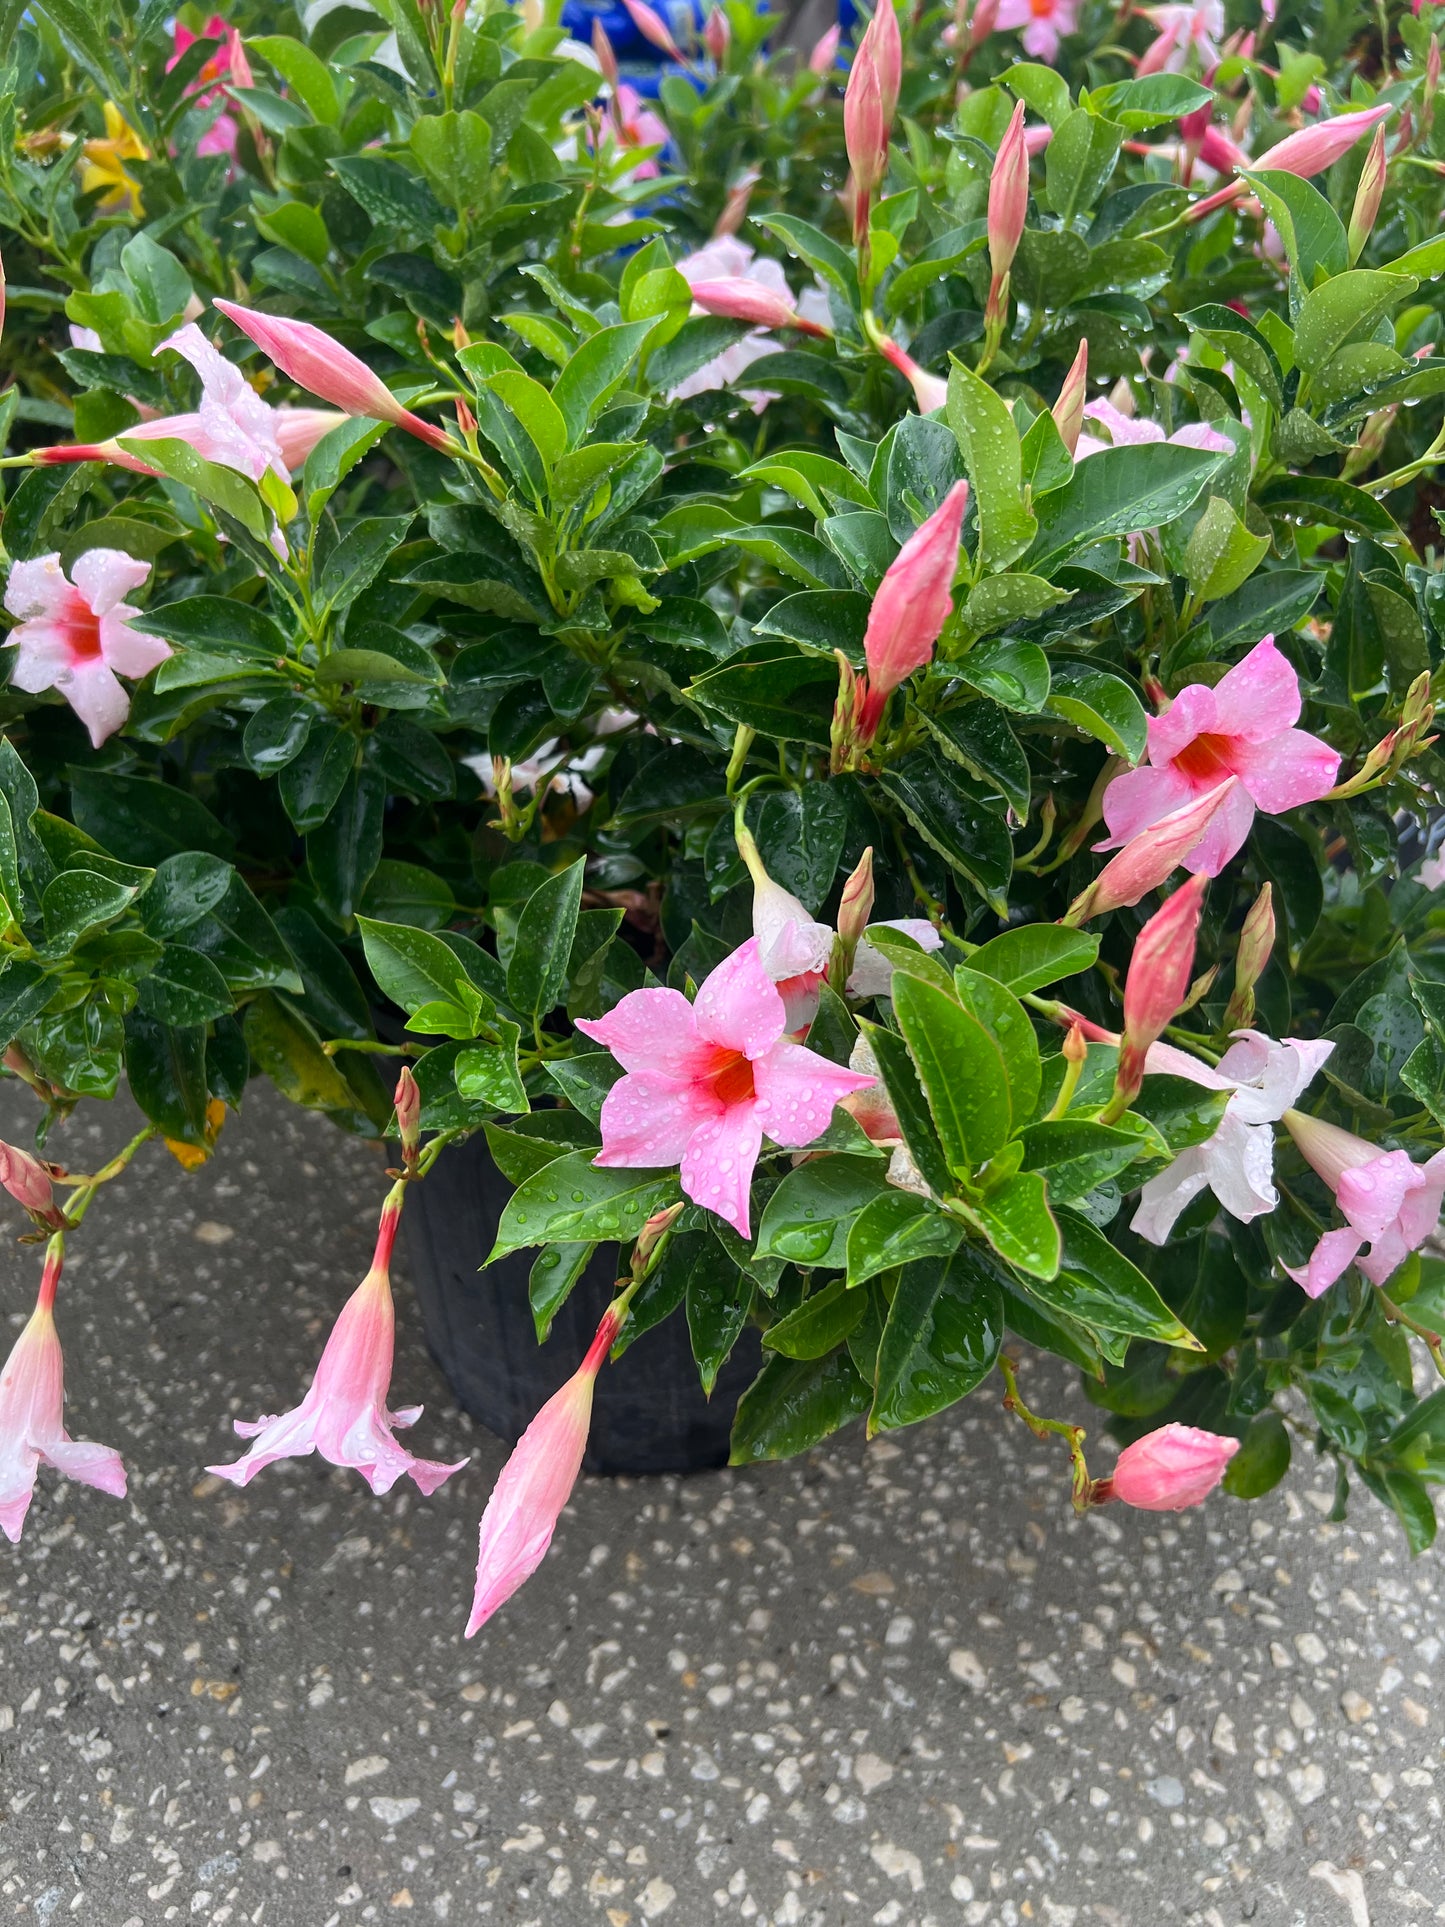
(1167, 1470)
(704, 1081)
(1388, 1202)
(32, 1424)
(1182, 28)
(344, 1416)
(1126, 431)
(227, 63)
(1243, 727)
(535, 1484)
(75, 635)
(727, 259)
(632, 124)
(1044, 23)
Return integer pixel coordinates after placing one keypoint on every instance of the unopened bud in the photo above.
(1368, 196)
(844, 731)
(651, 1236)
(408, 1114)
(717, 35)
(1256, 946)
(28, 1182)
(1076, 1044)
(1068, 410)
(1157, 985)
(856, 906)
(606, 56)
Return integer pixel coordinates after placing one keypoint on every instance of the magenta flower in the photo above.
(344, 1416)
(706, 1080)
(32, 1424)
(1243, 727)
(536, 1482)
(1167, 1470)
(74, 636)
(1388, 1202)
(228, 63)
(1045, 23)
(316, 362)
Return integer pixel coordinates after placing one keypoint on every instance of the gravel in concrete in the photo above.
(895, 1684)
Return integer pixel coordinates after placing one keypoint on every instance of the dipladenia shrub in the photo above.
(845, 655)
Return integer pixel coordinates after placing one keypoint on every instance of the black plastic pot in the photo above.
(649, 1413)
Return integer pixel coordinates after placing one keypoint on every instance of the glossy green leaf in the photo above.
(942, 1338)
(572, 1202)
(896, 1228)
(984, 425)
(962, 1069)
(794, 1404)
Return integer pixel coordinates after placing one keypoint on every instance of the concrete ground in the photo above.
(895, 1684)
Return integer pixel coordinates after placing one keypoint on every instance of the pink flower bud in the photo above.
(983, 23)
(913, 602)
(824, 56)
(1167, 1470)
(735, 207)
(238, 71)
(929, 391)
(717, 35)
(856, 906)
(742, 299)
(535, 1484)
(28, 1182)
(885, 47)
(651, 25)
(652, 1235)
(1313, 149)
(1368, 195)
(865, 132)
(1256, 946)
(606, 56)
(1150, 858)
(408, 1113)
(1068, 410)
(1157, 985)
(317, 363)
(1008, 195)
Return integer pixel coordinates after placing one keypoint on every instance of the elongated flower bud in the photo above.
(651, 25)
(865, 134)
(717, 35)
(1158, 981)
(606, 54)
(913, 602)
(1068, 410)
(930, 392)
(983, 22)
(317, 363)
(1313, 149)
(1368, 195)
(535, 1484)
(1256, 946)
(650, 1238)
(885, 45)
(1148, 859)
(856, 906)
(1008, 196)
(824, 56)
(28, 1182)
(1167, 1470)
(742, 299)
(408, 1114)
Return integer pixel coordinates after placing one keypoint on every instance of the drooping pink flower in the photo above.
(704, 1081)
(1264, 1080)
(1242, 727)
(535, 1484)
(317, 363)
(32, 1415)
(1388, 1202)
(1044, 23)
(75, 635)
(930, 392)
(1183, 28)
(910, 607)
(344, 1415)
(1167, 1470)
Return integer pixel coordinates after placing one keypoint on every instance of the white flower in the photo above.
(872, 972)
(1237, 1163)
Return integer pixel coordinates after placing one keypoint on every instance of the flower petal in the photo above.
(1287, 770)
(1164, 1197)
(1225, 837)
(1330, 1259)
(739, 1007)
(1192, 713)
(1370, 1195)
(131, 651)
(652, 1030)
(97, 1465)
(106, 576)
(1240, 1159)
(37, 587)
(97, 699)
(43, 654)
(717, 1168)
(1139, 798)
(648, 1119)
(1259, 698)
(797, 1091)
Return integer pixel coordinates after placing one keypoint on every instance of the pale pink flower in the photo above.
(28, 1180)
(1183, 29)
(298, 430)
(1264, 1080)
(1045, 23)
(744, 298)
(705, 1080)
(824, 56)
(75, 635)
(535, 1484)
(316, 362)
(1151, 858)
(1388, 1202)
(1126, 431)
(1431, 873)
(1167, 1470)
(872, 1111)
(727, 259)
(1312, 149)
(910, 606)
(86, 338)
(232, 425)
(32, 1422)
(632, 124)
(872, 972)
(1243, 727)
(930, 392)
(344, 1415)
(794, 949)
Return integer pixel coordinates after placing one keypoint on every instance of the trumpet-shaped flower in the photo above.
(1243, 728)
(1183, 28)
(343, 1415)
(1388, 1202)
(227, 63)
(632, 124)
(705, 1081)
(725, 259)
(32, 1423)
(75, 635)
(535, 1484)
(1127, 431)
(1045, 23)
(1264, 1080)
(1167, 1470)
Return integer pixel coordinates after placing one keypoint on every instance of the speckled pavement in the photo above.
(895, 1684)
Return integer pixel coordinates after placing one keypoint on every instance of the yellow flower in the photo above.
(104, 165)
